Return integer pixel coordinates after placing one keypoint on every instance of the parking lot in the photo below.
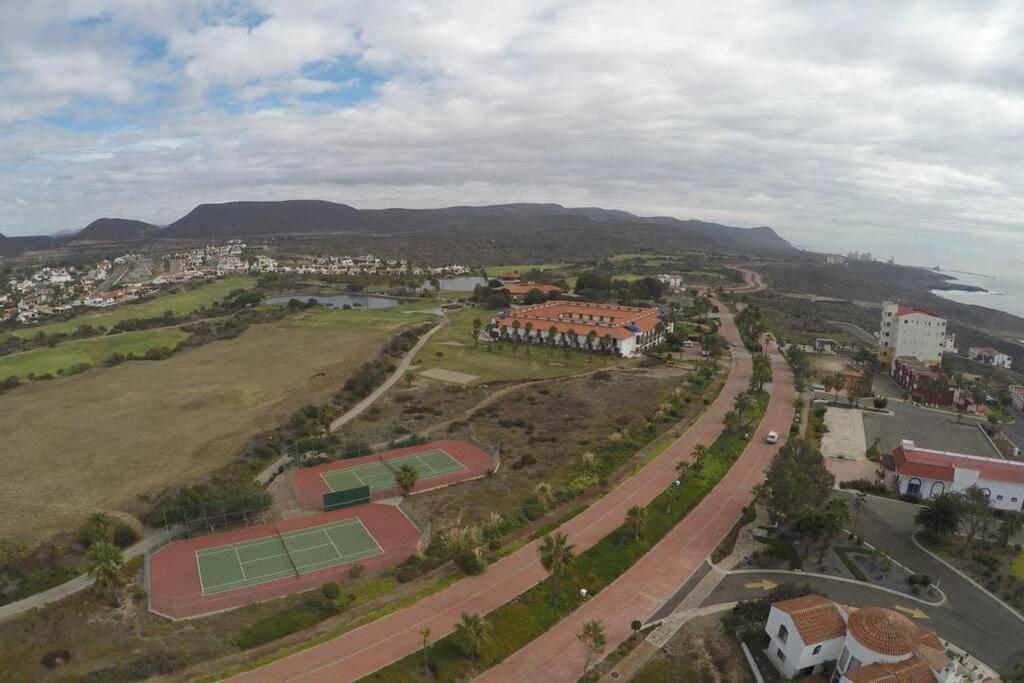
(927, 429)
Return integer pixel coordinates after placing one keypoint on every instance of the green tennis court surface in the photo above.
(377, 475)
(264, 559)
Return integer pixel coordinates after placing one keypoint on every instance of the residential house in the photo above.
(924, 382)
(519, 291)
(911, 332)
(986, 354)
(1017, 396)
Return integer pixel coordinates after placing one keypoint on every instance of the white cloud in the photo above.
(835, 123)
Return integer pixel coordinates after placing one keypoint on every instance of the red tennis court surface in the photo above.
(176, 588)
(311, 483)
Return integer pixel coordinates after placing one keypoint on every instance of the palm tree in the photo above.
(529, 336)
(425, 648)
(544, 495)
(99, 527)
(636, 521)
(515, 334)
(1012, 525)
(682, 467)
(940, 516)
(555, 556)
(471, 634)
(476, 330)
(743, 403)
(838, 383)
(105, 561)
(552, 339)
(406, 478)
(591, 338)
(606, 346)
(700, 451)
(572, 339)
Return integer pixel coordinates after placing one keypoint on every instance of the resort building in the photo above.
(618, 330)
(519, 291)
(912, 332)
(927, 473)
(923, 382)
(1017, 396)
(867, 645)
(986, 354)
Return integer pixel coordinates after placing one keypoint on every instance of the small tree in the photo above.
(105, 562)
(940, 516)
(476, 330)
(880, 402)
(556, 554)
(1011, 525)
(636, 521)
(471, 634)
(552, 340)
(635, 627)
(406, 478)
(544, 495)
(594, 641)
(99, 527)
(529, 336)
(12, 551)
(976, 514)
(425, 649)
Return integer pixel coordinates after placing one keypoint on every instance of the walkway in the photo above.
(375, 645)
(637, 594)
(403, 365)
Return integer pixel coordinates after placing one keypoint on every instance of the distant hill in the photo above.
(113, 230)
(238, 219)
(12, 246)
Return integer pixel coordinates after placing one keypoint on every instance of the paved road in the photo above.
(406, 361)
(888, 524)
(370, 647)
(645, 587)
(991, 644)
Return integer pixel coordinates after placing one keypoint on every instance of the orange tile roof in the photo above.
(524, 288)
(911, 670)
(940, 465)
(816, 618)
(610, 319)
(887, 632)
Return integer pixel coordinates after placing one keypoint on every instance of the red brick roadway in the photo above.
(377, 644)
(558, 656)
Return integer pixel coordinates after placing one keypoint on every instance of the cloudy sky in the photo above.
(874, 125)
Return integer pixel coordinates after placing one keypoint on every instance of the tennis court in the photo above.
(381, 474)
(228, 567)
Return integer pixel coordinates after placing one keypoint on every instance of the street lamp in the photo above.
(672, 497)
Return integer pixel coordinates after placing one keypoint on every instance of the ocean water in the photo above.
(1003, 293)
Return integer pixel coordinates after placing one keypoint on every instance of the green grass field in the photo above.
(368, 318)
(249, 563)
(378, 475)
(493, 271)
(1017, 566)
(92, 351)
(498, 363)
(180, 303)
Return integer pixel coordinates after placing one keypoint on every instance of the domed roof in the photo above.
(884, 631)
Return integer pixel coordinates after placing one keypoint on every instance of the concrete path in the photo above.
(403, 365)
(556, 655)
(78, 583)
(375, 645)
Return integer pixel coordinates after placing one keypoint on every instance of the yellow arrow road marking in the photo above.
(764, 585)
(914, 612)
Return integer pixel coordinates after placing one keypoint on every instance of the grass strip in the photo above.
(844, 556)
(518, 622)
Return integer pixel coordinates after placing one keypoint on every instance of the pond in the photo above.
(339, 300)
(456, 284)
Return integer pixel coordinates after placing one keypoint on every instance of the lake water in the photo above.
(457, 284)
(339, 300)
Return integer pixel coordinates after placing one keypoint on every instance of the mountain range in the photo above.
(548, 223)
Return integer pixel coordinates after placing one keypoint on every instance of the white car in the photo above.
(773, 437)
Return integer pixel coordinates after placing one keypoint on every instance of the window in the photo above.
(999, 497)
(817, 650)
(937, 488)
(781, 655)
(1014, 499)
(783, 632)
(854, 663)
(914, 487)
(842, 659)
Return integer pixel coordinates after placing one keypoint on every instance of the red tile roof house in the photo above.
(625, 331)
(519, 291)
(916, 377)
(868, 645)
(927, 473)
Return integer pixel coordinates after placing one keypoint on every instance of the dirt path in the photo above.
(637, 594)
(375, 645)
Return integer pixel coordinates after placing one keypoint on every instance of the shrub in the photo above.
(55, 658)
(863, 485)
(332, 591)
(356, 570)
(281, 624)
(125, 535)
(469, 563)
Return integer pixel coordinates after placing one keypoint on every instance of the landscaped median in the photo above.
(538, 609)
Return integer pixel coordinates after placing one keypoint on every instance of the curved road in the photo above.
(377, 644)
(556, 655)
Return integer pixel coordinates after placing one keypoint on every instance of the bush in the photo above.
(469, 563)
(864, 486)
(281, 624)
(356, 570)
(125, 535)
(147, 666)
(55, 658)
(910, 498)
(332, 591)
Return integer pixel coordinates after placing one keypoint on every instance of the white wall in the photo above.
(1012, 494)
(798, 654)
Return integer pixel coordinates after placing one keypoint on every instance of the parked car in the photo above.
(796, 417)
(773, 437)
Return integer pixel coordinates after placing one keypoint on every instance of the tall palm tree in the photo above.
(606, 346)
(515, 334)
(555, 556)
(105, 561)
(406, 478)
(636, 521)
(940, 516)
(471, 634)
(591, 338)
(552, 339)
(99, 527)
(573, 339)
(700, 451)
(544, 495)
(529, 335)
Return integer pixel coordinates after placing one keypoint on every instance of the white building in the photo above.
(986, 354)
(906, 331)
(868, 645)
(927, 473)
(1017, 396)
(674, 282)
